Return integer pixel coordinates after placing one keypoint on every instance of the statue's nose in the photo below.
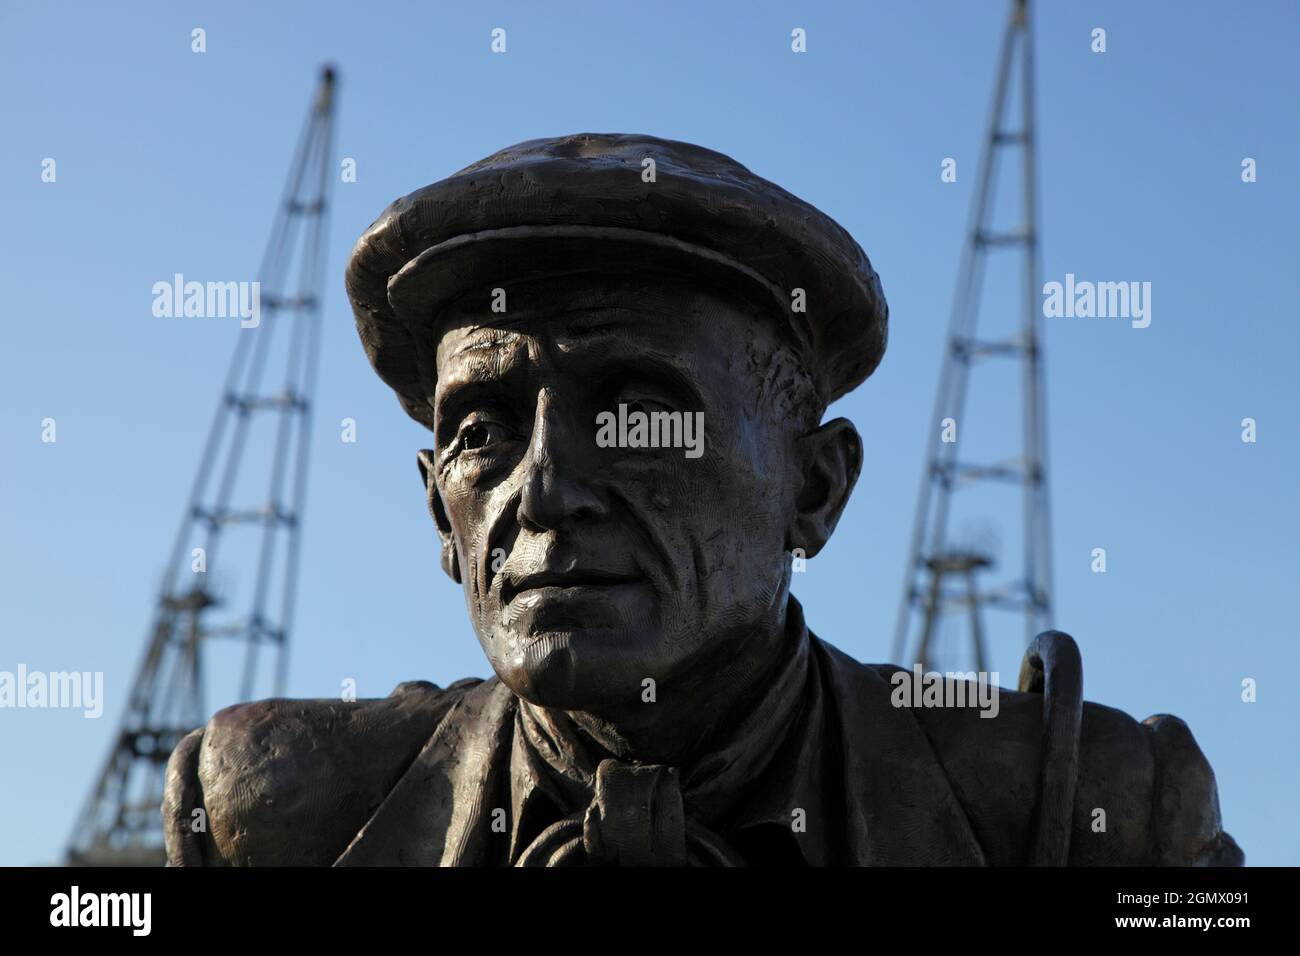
(559, 480)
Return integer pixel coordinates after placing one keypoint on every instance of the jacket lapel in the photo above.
(900, 809)
(440, 811)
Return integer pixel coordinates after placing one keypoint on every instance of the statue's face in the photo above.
(588, 569)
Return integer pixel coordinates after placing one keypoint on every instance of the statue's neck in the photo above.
(713, 697)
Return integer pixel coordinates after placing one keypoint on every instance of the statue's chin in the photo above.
(571, 669)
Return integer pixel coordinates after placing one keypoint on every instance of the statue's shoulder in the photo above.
(1139, 792)
(290, 782)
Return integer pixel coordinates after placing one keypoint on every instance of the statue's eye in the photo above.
(646, 405)
(481, 434)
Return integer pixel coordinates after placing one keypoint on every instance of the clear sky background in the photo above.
(171, 161)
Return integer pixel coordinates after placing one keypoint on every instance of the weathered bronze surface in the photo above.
(658, 698)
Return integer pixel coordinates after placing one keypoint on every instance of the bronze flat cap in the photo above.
(573, 204)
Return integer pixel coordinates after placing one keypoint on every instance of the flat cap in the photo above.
(572, 204)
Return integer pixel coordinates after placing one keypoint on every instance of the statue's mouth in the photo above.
(551, 584)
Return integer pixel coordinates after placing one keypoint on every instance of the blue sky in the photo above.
(170, 161)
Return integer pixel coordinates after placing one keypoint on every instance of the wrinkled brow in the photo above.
(486, 338)
(596, 347)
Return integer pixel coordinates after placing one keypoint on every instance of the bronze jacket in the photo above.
(460, 776)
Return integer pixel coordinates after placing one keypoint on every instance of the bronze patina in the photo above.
(658, 698)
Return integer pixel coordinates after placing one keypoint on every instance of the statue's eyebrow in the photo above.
(487, 338)
(609, 356)
(477, 382)
(626, 369)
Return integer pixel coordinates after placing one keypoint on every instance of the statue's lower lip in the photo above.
(552, 592)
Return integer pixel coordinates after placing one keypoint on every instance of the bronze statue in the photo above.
(658, 698)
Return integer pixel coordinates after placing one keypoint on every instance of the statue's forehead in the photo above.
(592, 333)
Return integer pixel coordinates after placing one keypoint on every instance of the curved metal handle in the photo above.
(1052, 667)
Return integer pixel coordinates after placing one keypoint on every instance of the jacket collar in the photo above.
(767, 771)
(863, 771)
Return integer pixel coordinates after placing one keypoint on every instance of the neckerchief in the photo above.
(764, 775)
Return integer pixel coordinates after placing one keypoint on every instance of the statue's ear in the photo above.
(830, 461)
(450, 560)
